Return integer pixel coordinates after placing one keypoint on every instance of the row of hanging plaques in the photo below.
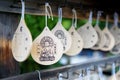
(49, 46)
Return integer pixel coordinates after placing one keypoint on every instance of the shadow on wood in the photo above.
(8, 24)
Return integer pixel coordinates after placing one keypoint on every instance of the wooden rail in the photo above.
(45, 74)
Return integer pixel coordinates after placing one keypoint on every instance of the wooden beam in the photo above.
(46, 74)
(36, 7)
(8, 24)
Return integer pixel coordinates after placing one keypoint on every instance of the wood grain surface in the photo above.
(8, 66)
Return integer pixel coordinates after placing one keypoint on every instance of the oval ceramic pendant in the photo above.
(88, 34)
(77, 42)
(115, 29)
(62, 34)
(101, 37)
(116, 49)
(116, 33)
(22, 41)
(47, 49)
(110, 41)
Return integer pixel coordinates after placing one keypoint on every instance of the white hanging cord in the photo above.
(23, 8)
(90, 17)
(47, 12)
(60, 76)
(98, 17)
(39, 74)
(60, 14)
(74, 18)
(113, 71)
(116, 19)
(100, 73)
(107, 21)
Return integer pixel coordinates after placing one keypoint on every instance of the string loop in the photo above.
(113, 71)
(115, 19)
(47, 13)
(39, 74)
(107, 17)
(98, 17)
(90, 17)
(23, 8)
(60, 14)
(74, 18)
(100, 73)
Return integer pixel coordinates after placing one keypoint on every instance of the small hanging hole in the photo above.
(26, 39)
(25, 48)
(93, 35)
(91, 41)
(46, 29)
(21, 28)
(87, 27)
(78, 40)
(72, 33)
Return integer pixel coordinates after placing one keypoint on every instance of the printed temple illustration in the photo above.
(48, 49)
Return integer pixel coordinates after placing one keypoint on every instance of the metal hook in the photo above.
(88, 73)
(82, 74)
(93, 68)
(103, 65)
(100, 72)
(39, 74)
(113, 70)
(60, 76)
